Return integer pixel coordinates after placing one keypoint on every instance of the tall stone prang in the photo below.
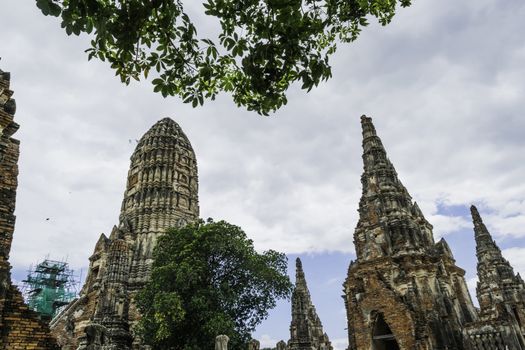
(306, 329)
(20, 327)
(501, 296)
(404, 291)
(161, 192)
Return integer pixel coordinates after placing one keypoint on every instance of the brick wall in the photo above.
(20, 328)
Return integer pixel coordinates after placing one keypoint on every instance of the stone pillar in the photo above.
(254, 344)
(221, 342)
(281, 345)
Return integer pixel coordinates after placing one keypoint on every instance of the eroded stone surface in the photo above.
(161, 192)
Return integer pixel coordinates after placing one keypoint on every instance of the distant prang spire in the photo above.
(500, 292)
(300, 280)
(486, 248)
(306, 329)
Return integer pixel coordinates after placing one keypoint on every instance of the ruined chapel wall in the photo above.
(363, 308)
(9, 150)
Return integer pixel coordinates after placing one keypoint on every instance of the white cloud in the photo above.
(266, 341)
(516, 257)
(444, 224)
(337, 281)
(471, 285)
(340, 343)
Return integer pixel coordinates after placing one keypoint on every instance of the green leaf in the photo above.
(263, 46)
(44, 6)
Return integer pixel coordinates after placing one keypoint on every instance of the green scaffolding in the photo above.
(49, 286)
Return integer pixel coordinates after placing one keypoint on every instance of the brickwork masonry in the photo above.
(20, 327)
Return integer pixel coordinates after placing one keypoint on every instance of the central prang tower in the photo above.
(404, 291)
(161, 192)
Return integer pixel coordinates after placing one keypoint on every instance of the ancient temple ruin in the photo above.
(306, 329)
(404, 291)
(20, 327)
(161, 192)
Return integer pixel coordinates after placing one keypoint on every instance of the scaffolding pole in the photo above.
(50, 286)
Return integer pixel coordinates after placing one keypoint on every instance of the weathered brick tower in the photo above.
(306, 329)
(20, 328)
(162, 192)
(501, 296)
(404, 291)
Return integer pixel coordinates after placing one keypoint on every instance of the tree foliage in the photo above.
(262, 46)
(207, 279)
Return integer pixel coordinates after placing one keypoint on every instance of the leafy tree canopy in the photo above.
(262, 46)
(207, 279)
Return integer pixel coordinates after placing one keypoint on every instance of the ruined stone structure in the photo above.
(501, 296)
(161, 192)
(404, 291)
(20, 328)
(306, 329)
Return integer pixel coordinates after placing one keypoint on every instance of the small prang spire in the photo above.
(300, 281)
(485, 246)
(498, 287)
(476, 218)
(367, 126)
(306, 329)
(374, 153)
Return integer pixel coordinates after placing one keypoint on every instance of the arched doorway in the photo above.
(382, 336)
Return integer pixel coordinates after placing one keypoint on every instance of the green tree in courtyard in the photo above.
(207, 279)
(261, 48)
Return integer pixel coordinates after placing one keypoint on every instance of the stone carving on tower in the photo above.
(501, 296)
(404, 291)
(161, 192)
(306, 329)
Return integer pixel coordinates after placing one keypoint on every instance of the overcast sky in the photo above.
(444, 84)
